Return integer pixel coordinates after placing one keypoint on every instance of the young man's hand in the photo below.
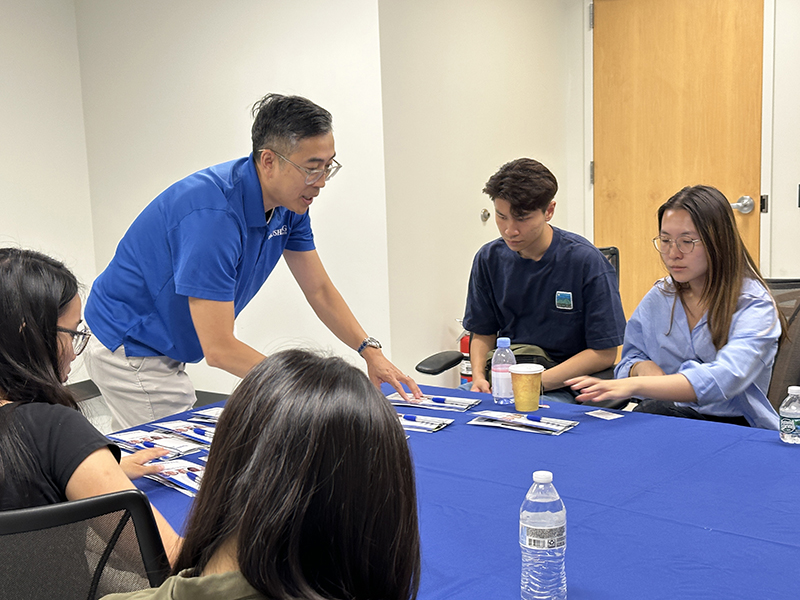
(481, 385)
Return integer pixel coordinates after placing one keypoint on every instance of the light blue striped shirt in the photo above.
(730, 382)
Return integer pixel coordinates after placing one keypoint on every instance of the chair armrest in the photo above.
(440, 362)
(605, 373)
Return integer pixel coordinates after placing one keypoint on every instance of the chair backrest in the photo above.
(612, 254)
(81, 550)
(786, 370)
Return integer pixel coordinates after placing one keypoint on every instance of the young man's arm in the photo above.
(332, 310)
(585, 362)
(213, 322)
(645, 368)
(478, 347)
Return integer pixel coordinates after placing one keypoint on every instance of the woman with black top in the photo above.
(49, 452)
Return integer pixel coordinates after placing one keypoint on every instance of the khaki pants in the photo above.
(138, 389)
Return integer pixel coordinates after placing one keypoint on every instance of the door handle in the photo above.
(744, 205)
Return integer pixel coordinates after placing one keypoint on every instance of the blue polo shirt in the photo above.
(205, 236)
(565, 302)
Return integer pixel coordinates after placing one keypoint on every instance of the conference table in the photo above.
(657, 507)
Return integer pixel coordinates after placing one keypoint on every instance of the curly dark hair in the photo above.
(524, 183)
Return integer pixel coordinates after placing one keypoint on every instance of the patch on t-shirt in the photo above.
(564, 300)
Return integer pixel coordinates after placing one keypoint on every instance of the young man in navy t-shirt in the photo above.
(540, 285)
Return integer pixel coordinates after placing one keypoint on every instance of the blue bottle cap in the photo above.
(503, 342)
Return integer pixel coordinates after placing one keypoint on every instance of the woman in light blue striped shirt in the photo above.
(702, 342)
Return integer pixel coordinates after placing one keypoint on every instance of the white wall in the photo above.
(468, 86)
(785, 213)
(44, 188)
(167, 88)
(44, 185)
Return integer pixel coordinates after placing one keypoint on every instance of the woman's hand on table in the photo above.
(593, 389)
(134, 465)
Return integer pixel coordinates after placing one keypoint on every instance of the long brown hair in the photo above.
(729, 262)
(311, 475)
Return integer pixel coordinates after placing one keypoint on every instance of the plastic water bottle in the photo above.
(502, 359)
(790, 416)
(543, 539)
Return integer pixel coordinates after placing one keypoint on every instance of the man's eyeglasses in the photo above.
(313, 175)
(685, 245)
(79, 338)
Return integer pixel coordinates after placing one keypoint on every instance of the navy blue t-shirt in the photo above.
(565, 302)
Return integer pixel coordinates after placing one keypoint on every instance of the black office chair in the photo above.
(81, 550)
(612, 254)
(786, 370)
(438, 363)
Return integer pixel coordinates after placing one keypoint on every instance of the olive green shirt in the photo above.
(224, 586)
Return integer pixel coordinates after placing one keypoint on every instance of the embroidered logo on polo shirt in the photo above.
(564, 300)
(282, 231)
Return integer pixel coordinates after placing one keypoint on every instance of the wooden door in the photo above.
(677, 101)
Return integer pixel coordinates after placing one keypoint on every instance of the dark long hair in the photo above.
(34, 291)
(729, 262)
(310, 473)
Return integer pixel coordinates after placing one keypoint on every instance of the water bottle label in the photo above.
(542, 539)
(789, 425)
(501, 384)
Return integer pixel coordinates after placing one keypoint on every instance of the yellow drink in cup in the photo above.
(526, 381)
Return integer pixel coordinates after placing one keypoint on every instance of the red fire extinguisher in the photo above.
(466, 367)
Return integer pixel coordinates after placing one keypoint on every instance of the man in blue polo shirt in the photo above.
(541, 286)
(199, 252)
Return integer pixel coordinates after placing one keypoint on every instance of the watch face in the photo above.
(370, 342)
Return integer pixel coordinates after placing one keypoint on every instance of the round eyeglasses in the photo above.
(79, 338)
(312, 175)
(685, 244)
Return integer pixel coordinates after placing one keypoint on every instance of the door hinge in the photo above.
(591, 173)
(764, 203)
(591, 15)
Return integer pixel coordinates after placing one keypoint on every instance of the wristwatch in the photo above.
(369, 341)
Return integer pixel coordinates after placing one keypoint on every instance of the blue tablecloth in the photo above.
(657, 507)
